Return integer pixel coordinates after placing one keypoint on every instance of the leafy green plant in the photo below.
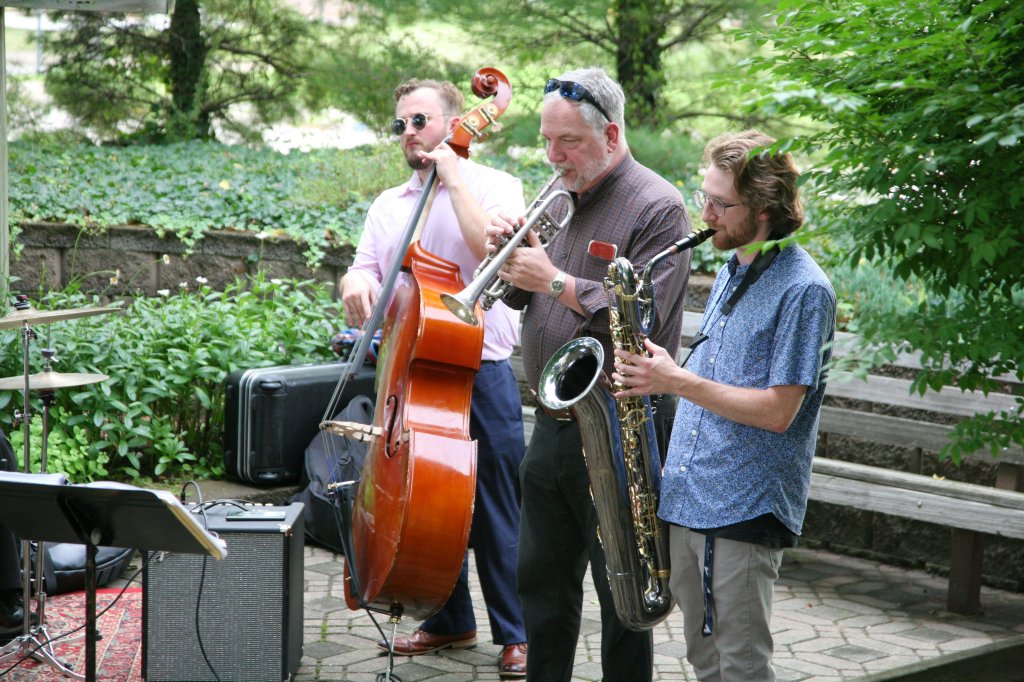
(918, 129)
(161, 412)
(67, 448)
(188, 189)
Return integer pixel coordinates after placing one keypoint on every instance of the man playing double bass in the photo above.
(426, 111)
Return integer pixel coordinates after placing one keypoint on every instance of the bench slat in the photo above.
(891, 391)
(906, 481)
(906, 433)
(918, 505)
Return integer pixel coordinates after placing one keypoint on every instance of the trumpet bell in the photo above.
(462, 306)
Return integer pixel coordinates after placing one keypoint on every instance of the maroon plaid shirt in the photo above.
(642, 214)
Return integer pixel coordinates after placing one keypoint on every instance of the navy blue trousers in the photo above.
(496, 423)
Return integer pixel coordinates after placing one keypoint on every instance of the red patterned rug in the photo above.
(118, 651)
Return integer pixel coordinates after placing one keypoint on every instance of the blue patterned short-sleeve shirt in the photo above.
(719, 472)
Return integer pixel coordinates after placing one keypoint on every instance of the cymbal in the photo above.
(20, 317)
(49, 381)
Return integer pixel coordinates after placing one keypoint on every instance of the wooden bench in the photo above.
(970, 510)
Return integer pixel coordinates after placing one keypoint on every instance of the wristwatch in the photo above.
(557, 285)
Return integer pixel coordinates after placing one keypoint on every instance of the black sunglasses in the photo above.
(575, 92)
(419, 122)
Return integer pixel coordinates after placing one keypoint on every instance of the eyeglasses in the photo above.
(575, 92)
(717, 205)
(418, 121)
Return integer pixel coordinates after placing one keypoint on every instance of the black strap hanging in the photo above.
(761, 263)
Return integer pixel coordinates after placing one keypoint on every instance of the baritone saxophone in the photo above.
(619, 444)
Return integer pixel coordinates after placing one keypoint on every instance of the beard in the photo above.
(584, 174)
(412, 158)
(741, 235)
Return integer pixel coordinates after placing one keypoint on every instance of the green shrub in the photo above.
(673, 156)
(188, 189)
(161, 412)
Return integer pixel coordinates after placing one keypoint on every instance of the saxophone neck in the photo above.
(688, 242)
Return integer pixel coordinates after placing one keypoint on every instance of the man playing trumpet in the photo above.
(634, 211)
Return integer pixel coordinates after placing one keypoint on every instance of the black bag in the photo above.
(270, 413)
(66, 563)
(331, 459)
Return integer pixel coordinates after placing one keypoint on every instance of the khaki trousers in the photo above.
(743, 578)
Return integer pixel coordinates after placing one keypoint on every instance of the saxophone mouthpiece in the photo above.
(691, 240)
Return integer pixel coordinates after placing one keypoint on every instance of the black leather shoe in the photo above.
(12, 611)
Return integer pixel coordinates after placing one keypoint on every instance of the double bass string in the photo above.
(372, 323)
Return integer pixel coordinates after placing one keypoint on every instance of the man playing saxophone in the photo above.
(738, 469)
(630, 208)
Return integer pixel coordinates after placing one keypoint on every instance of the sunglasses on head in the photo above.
(418, 121)
(575, 92)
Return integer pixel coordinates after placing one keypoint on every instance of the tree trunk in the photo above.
(641, 27)
(187, 51)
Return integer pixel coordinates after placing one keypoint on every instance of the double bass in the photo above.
(412, 511)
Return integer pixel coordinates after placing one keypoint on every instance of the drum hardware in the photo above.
(34, 640)
(48, 380)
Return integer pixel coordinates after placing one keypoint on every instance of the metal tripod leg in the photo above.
(34, 641)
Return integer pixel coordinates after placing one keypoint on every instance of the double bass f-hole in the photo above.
(393, 427)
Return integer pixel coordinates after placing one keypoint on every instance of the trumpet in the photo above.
(486, 286)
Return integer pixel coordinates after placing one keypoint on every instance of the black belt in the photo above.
(565, 415)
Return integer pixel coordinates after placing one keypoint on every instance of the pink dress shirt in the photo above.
(495, 191)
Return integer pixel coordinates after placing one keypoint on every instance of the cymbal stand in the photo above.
(34, 640)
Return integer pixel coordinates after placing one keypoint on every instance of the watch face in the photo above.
(557, 285)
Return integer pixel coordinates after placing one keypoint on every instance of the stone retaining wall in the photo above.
(53, 255)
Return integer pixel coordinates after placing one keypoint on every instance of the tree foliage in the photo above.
(919, 109)
(115, 72)
(632, 37)
(361, 64)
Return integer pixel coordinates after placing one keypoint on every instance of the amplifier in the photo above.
(248, 607)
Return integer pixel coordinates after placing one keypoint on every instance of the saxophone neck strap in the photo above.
(761, 263)
(757, 268)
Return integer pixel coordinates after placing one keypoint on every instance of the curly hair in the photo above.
(451, 97)
(765, 180)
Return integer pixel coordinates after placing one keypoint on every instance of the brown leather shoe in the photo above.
(513, 661)
(422, 642)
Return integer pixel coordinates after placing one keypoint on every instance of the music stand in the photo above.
(101, 514)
